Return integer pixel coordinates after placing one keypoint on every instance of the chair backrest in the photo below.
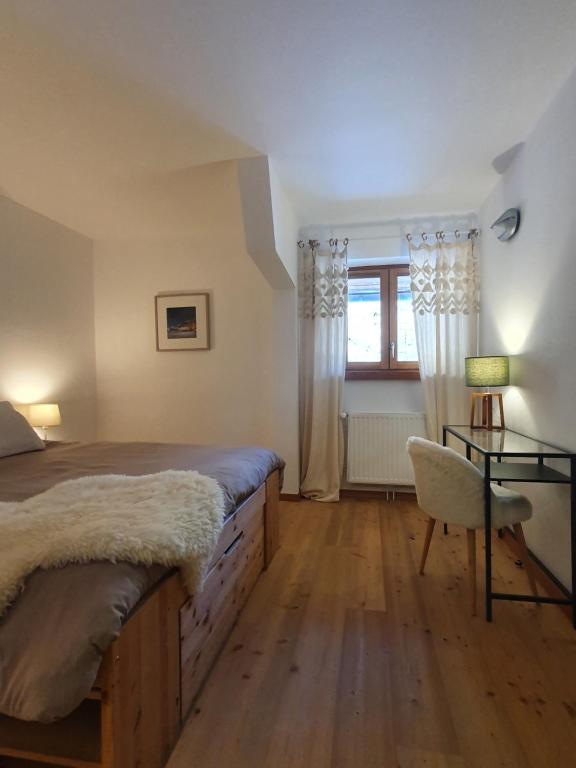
(448, 486)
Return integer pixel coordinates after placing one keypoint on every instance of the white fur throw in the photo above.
(171, 518)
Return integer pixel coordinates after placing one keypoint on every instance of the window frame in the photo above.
(388, 367)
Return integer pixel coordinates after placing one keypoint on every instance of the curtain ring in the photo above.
(333, 241)
(424, 237)
(409, 237)
(457, 234)
(301, 243)
(346, 241)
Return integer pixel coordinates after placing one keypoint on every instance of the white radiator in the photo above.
(377, 447)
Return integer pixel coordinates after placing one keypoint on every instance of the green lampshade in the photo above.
(487, 371)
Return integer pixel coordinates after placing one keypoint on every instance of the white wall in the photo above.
(243, 390)
(264, 211)
(282, 383)
(285, 224)
(284, 417)
(383, 397)
(46, 318)
(529, 307)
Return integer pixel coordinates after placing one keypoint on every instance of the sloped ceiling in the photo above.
(370, 109)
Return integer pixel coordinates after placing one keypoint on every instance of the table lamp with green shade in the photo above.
(487, 371)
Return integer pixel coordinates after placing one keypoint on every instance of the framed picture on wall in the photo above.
(182, 322)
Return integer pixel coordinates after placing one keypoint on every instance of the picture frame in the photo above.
(182, 321)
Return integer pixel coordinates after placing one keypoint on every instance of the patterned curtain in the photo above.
(323, 291)
(445, 297)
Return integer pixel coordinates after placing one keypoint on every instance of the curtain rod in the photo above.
(439, 235)
(442, 235)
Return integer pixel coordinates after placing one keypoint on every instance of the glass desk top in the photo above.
(505, 442)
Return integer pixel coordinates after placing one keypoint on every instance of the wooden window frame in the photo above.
(388, 367)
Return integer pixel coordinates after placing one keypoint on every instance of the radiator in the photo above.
(377, 447)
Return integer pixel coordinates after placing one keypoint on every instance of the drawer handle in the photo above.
(234, 544)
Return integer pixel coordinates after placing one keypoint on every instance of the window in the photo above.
(381, 334)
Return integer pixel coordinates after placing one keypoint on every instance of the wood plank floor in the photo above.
(345, 656)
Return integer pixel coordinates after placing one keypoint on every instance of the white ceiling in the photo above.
(370, 108)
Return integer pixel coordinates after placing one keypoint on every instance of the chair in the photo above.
(450, 488)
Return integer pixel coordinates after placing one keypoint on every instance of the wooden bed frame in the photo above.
(154, 670)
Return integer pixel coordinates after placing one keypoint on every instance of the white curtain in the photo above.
(445, 299)
(323, 290)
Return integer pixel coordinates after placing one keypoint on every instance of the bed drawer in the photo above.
(220, 580)
(254, 505)
(206, 620)
(209, 604)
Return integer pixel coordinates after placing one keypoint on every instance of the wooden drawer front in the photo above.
(248, 517)
(207, 620)
(254, 505)
(253, 567)
(206, 606)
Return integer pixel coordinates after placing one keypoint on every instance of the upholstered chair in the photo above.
(451, 489)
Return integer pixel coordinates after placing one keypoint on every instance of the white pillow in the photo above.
(16, 435)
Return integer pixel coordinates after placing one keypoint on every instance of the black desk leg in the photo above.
(488, 536)
(573, 534)
(444, 440)
(500, 530)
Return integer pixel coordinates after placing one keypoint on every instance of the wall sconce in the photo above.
(507, 224)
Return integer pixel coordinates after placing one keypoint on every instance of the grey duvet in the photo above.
(54, 636)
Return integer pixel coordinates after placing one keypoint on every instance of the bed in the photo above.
(118, 701)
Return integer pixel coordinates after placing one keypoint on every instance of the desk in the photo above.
(507, 444)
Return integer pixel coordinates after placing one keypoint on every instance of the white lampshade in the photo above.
(44, 415)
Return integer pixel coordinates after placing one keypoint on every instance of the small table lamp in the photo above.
(488, 371)
(44, 415)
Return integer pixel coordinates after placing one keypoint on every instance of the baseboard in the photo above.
(544, 577)
(350, 493)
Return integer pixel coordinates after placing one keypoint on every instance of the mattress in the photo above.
(54, 636)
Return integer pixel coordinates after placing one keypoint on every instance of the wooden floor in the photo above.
(346, 657)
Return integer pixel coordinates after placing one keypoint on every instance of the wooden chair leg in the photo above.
(471, 539)
(427, 540)
(519, 533)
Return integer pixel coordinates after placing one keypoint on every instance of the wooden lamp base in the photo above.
(486, 400)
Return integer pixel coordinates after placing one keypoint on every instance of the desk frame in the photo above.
(504, 472)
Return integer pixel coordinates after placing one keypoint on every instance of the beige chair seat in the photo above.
(508, 507)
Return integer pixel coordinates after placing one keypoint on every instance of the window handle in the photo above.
(392, 350)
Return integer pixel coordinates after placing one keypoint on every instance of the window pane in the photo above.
(364, 320)
(406, 342)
